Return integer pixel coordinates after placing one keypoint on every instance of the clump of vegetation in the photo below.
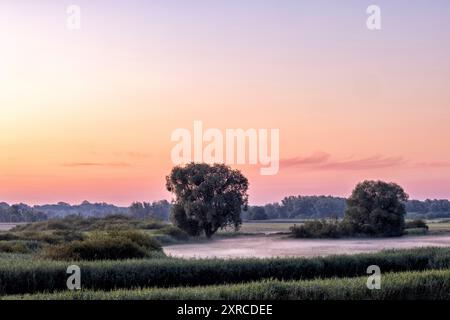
(8, 236)
(174, 232)
(414, 224)
(317, 229)
(152, 224)
(416, 227)
(47, 237)
(14, 247)
(111, 245)
(18, 246)
(78, 223)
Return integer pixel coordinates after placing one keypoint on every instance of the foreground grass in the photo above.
(431, 284)
(20, 276)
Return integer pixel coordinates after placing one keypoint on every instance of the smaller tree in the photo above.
(376, 208)
(207, 197)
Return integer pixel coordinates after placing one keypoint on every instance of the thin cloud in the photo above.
(314, 159)
(95, 164)
(133, 154)
(434, 164)
(323, 161)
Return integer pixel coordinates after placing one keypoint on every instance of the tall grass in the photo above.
(29, 276)
(431, 284)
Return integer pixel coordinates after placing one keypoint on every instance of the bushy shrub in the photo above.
(112, 245)
(418, 223)
(140, 238)
(416, 231)
(174, 232)
(317, 229)
(13, 247)
(152, 224)
(111, 249)
(8, 236)
(18, 246)
(68, 235)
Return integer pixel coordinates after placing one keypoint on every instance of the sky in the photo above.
(88, 114)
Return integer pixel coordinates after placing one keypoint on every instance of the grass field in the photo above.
(437, 227)
(22, 274)
(406, 274)
(430, 284)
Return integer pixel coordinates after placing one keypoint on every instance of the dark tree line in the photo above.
(292, 207)
(298, 207)
(319, 207)
(85, 209)
(20, 213)
(156, 210)
(430, 208)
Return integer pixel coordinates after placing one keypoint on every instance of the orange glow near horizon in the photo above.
(88, 115)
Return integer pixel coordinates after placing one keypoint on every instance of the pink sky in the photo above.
(88, 114)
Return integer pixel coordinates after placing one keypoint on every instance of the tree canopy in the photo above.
(207, 197)
(377, 208)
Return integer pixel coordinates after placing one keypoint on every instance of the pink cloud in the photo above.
(96, 164)
(323, 161)
(316, 158)
(434, 164)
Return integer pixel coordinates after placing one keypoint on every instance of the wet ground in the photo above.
(6, 226)
(280, 246)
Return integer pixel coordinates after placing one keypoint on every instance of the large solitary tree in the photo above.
(207, 197)
(376, 208)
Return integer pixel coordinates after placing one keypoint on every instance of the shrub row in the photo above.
(54, 237)
(433, 285)
(334, 228)
(319, 229)
(111, 245)
(414, 224)
(30, 276)
(90, 224)
(18, 246)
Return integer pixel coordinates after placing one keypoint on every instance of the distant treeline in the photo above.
(428, 209)
(20, 213)
(25, 213)
(293, 207)
(297, 207)
(319, 207)
(156, 210)
(87, 209)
